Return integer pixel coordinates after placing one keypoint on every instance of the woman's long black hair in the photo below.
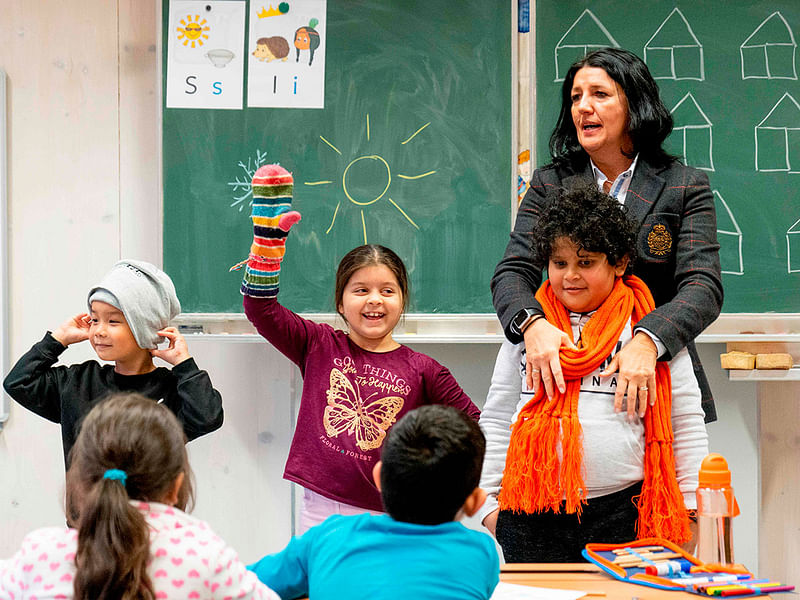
(649, 121)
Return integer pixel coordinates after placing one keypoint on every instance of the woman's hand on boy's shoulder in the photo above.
(543, 367)
(636, 363)
(73, 330)
(177, 351)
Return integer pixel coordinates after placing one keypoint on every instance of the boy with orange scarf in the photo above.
(564, 472)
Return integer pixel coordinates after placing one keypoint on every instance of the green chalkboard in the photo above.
(728, 71)
(394, 68)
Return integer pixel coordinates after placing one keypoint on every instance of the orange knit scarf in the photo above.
(533, 481)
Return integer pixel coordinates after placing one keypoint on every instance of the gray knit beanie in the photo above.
(144, 294)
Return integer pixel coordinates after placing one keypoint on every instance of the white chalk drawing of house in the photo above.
(777, 138)
(769, 52)
(729, 236)
(586, 34)
(793, 247)
(692, 135)
(674, 52)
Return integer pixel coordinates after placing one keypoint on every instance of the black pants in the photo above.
(550, 537)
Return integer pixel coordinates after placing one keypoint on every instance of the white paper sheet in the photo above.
(512, 591)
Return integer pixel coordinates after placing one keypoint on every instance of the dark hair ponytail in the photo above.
(129, 447)
(113, 547)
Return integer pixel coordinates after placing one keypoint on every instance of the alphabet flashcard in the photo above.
(286, 54)
(205, 54)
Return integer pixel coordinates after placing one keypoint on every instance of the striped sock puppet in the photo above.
(272, 219)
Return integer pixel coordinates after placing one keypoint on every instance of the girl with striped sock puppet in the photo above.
(356, 383)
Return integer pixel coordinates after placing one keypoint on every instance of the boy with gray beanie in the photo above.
(129, 314)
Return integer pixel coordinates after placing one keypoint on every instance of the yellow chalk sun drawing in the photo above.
(381, 181)
(191, 31)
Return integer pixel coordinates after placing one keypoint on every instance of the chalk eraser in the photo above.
(737, 360)
(777, 360)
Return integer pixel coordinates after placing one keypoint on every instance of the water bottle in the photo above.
(716, 507)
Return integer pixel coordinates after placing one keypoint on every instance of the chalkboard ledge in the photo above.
(414, 328)
(775, 376)
(760, 333)
(483, 328)
(753, 327)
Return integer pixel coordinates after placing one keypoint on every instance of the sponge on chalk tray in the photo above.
(775, 360)
(737, 360)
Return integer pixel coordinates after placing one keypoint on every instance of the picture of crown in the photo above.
(282, 9)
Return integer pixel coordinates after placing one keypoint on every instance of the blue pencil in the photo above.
(688, 581)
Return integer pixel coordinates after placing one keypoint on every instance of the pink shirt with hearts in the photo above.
(188, 561)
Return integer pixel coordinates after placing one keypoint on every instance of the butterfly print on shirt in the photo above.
(347, 413)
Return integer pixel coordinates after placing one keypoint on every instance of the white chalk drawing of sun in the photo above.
(380, 177)
(191, 31)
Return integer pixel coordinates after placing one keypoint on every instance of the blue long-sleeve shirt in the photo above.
(373, 557)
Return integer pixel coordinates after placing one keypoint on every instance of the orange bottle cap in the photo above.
(714, 472)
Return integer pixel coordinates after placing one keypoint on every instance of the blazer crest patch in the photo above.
(659, 240)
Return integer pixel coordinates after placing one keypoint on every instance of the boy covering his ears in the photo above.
(129, 314)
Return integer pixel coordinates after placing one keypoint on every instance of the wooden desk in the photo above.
(588, 577)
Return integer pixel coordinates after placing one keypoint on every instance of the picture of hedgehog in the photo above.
(271, 48)
(307, 38)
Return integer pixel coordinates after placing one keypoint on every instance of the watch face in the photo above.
(520, 320)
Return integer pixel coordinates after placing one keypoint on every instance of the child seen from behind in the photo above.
(357, 383)
(428, 477)
(128, 485)
(573, 470)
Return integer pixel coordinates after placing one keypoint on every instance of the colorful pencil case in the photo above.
(661, 564)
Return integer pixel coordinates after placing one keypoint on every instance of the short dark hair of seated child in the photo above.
(431, 465)
(428, 475)
(592, 220)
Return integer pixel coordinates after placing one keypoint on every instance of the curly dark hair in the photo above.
(592, 220)
(649, 121)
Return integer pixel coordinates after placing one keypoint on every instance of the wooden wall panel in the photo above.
(139, 166)
(63, 198)
(779, 441)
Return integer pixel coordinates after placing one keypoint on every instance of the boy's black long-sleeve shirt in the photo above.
(66, 394)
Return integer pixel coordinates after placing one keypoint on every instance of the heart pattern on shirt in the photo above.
(195, 563)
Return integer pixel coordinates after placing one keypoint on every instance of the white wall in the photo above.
(83, 173)
(735, 436)
(64, 84)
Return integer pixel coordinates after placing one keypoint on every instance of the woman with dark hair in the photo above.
(649, 122)
(127, 487)
(610, 131)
